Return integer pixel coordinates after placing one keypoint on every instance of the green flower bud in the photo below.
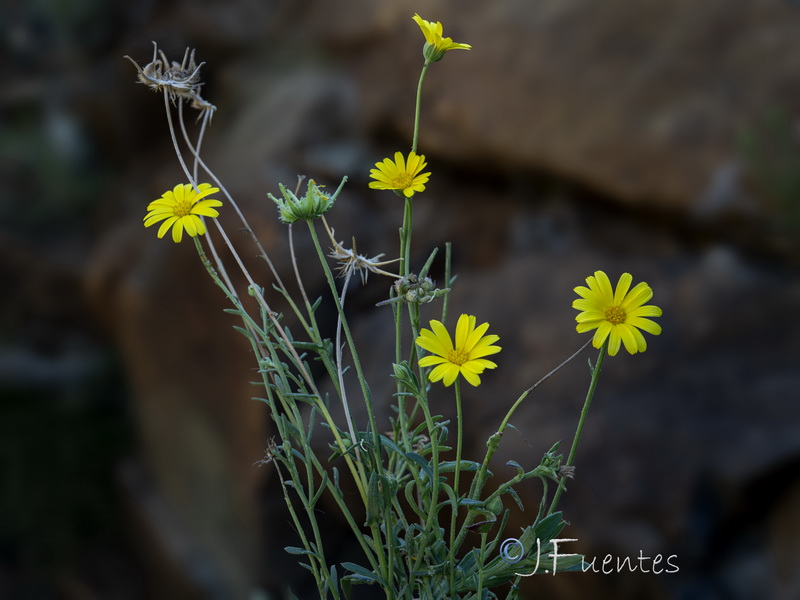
(432, 53)
(495, 505)
(312, 205)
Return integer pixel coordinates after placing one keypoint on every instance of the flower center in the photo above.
(182, 208)
(615, 315)
(402, 181)
(457, 357)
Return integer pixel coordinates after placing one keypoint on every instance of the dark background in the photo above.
(659, 138)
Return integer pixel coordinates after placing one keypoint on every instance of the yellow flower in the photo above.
(435, 44)
(465, 357)
(618, 315)
(182, 208)
(401, 175)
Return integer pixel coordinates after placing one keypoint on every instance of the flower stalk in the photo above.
(595, 371)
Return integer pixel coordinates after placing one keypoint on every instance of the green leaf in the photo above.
(373, 501)
(517, 466)
(409, 491)
(347, 588)
(321, 489)
(512, 492)
(426, 267)
(420, 462)
(299, 551)
(334, 580)
(290, 595)
(391, 445)
(466, 465)
(470, 502)
(361, 574)
(549, 527)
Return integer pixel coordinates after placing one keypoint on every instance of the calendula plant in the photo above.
(427, 523)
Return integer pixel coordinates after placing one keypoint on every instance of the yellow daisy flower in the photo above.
(182, 208)
(401, 174)
(466, 357)
(436, 45)
(618, 314)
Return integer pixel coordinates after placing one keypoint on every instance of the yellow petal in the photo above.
(440, 331)
(166, 225)
(177, 231)
(637, 296)
(152, 219)
(190, 225)
(623, 285)
(590, 315)
(400, 162)
(627, 337)
(645, 311)
(602, 286)
(481, 351)
(451, 373)
(603, 331)
(471, 378)
(584, 327)
(614, 341)
(649, 326)
(431, 360)
(476, 336)
(465, 324)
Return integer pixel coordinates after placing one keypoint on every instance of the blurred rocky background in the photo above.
(654, 137)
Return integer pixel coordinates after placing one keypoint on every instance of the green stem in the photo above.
(434, 441)
(362, 380)
(448, 260)
(481, 562)
(376, 439)
(454, 515)
(494, 441)
(581, 421)
(405, 250)
(405, 245)
(416, 109)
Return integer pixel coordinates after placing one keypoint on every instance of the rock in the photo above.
(200, 432)
(640, 103)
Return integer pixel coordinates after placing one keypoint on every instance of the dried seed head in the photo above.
(350, 261)
(178, 80)
(565, 471)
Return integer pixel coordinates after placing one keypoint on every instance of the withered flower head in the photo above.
(177, 80)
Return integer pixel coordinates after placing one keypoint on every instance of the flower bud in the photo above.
(312, 205)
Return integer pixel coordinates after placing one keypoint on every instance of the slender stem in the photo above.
(350, 342)
(448, 265)
(408, 221)
(481, 563)
(457, 473)
(416, 109)
(340, 369)
(516, 404)
(434, 500)
(297, 523)
(494, 441)
(581, 421)
(295, 358)
(405, 244)
(228, 196)
(300, 285)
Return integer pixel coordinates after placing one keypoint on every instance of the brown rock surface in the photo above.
(643, 102)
